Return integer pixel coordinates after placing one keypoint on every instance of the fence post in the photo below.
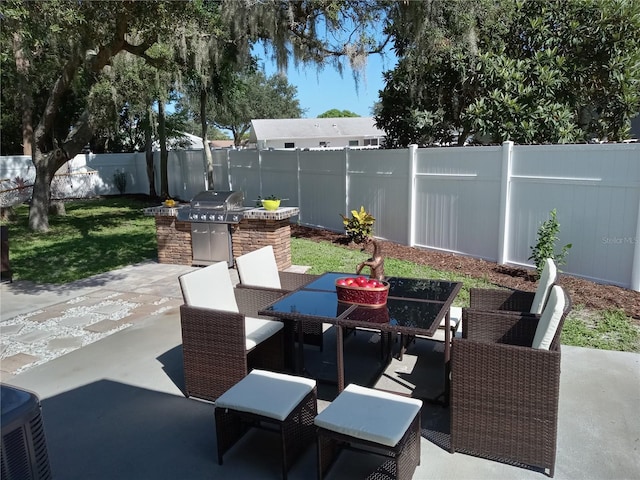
(635, 265)
(346, 181)
(413, 154)
(505, 203)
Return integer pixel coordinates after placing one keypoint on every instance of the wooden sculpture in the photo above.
(375, 263)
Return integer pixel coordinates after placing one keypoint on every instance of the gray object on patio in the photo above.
(259, 269)
(277, 402)
(23, 444)
(516, 300)
(374, 422)
(505, 384)
(223, 337)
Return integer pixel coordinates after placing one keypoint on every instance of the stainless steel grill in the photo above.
(211, 214)
(210, 206)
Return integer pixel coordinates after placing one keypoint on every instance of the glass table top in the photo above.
(412, 303)
(307, 302)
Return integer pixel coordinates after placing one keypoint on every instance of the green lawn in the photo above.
(100, 235)
(95, 236)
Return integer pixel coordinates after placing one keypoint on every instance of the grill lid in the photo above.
(210, 206)
(219, 200)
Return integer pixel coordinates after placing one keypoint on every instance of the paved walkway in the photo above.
(41, 322)
(122, 397)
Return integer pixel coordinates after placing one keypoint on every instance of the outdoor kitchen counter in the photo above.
(258, 228)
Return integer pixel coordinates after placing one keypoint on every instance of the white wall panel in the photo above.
(322, 188)
(596, 203)
(379, 181)
(107, 165)
(244, 174)
(279, 175)
(17, 166)
(458, 199)
(189, 168)
(220, 169)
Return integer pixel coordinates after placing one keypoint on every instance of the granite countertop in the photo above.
(279, 214)
(251, 213)
(163, 211)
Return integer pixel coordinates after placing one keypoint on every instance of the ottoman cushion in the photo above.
(269, 394)
(371, 415)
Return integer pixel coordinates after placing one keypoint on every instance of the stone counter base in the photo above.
(252, 234)
(174, 239)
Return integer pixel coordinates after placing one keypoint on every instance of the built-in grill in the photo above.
(211, 214)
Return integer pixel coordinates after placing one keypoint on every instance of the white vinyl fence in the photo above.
(486, 202)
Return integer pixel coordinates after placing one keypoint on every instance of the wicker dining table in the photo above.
(415, 306)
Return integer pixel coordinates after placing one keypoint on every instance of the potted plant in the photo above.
(270, 203)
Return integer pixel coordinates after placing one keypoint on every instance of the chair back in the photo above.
(548, 277)
(259, 268)
(551, 318)
(209, 287)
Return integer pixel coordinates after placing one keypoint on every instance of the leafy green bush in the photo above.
(546, 245)
(359, 227)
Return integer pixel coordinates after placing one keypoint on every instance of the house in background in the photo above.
(315, 133)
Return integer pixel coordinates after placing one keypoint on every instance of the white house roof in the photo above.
(288, 128)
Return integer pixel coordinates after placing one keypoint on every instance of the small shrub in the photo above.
(546, 245)
(359, 227)
(120, 180)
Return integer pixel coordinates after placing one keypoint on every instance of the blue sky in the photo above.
(322, 90)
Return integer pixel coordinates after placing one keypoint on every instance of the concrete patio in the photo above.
(115, 409)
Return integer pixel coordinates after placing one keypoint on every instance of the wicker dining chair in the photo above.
(505, 384)
(516, 300)
(259, 269)
(223, 337)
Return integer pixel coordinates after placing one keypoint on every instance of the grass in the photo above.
(95, 236)
(605, 330)
(101, 235)
(326, 257)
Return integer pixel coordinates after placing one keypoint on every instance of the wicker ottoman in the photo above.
(375, 422)
(265, 399)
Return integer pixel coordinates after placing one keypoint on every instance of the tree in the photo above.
(68, 45)
(252, 95)
(531, 72)
(335, 113)
(83, 37)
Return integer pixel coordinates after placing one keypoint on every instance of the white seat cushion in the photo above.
(259, 268)
(258, 330)
(269, 394)
(209, 287)
(455, 316)
(547, 279)
(371, 415)
(550, 319)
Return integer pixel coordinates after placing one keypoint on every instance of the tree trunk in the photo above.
(162, 127)
(207, 151)
(237, 137)
(25, 103)
(40, 199)
(148, 155)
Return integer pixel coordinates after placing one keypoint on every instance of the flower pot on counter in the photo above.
(271, 204)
